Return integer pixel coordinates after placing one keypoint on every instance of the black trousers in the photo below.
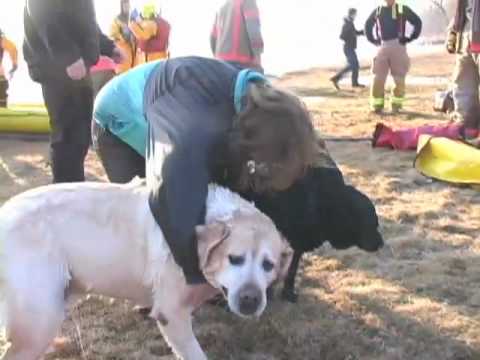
(3, 91)
(120, 161)
(69, 106)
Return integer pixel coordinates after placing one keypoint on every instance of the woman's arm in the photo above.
(189, 123)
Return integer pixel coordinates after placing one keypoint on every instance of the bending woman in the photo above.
(190, 121)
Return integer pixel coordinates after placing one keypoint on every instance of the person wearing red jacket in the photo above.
(236, 35)
(152, 33)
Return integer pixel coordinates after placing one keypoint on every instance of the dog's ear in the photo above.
(209, 237)
(285, 260)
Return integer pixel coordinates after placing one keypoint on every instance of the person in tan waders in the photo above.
(464, 41)
(386, 28)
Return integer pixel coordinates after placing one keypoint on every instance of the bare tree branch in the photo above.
(441, 6)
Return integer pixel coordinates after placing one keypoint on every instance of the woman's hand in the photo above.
(77, 70)
(199, 294)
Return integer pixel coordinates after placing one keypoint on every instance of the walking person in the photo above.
(6, 46)
(386, 29)
(349, 35)
(62, 42)
(237, 36)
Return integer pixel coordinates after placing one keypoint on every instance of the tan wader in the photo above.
(466, 80)
(391, 58)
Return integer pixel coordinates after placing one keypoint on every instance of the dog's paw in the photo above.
(290, 296)
(218, 301)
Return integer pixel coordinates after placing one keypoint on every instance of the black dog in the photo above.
(318, 208)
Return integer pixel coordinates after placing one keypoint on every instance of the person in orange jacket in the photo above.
(9, 47)
(152, 33)
(124, 38)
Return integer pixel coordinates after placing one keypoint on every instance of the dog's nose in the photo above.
(250, 298)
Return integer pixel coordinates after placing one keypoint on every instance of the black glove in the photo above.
(404, 40)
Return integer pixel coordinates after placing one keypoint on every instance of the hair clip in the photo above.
(252, 167)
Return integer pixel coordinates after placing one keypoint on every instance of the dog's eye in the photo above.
(236, 260)
(267, 265)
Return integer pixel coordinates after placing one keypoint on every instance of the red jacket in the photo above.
(236, 35)
(159, 42)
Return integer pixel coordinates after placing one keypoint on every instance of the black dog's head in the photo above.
(360, 223)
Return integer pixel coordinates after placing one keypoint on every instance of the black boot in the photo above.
(334, 81)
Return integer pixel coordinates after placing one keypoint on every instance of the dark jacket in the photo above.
(189, 103)
(58, 33)
(349, 33)
(382, 25)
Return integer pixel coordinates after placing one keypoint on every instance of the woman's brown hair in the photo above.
(272, 142)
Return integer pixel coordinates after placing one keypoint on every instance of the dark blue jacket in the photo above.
(189, 107)
(349, 33)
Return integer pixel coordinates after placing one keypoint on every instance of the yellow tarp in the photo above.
(448, 160)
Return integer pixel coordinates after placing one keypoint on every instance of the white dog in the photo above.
(99, 238)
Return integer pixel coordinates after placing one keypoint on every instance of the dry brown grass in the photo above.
(421, 302)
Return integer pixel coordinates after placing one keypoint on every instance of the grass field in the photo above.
(421, 302)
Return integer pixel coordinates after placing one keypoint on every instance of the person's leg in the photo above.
(3, 92)
(472, 118)
(400, 64)
(338, 76)
(465, 89)
(355, 65)
(120, 161)
(380, 69)
(69, 107)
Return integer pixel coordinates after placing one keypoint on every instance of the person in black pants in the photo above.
(349, 36)
(62, 42)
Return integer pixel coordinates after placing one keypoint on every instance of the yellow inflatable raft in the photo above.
(24, 121)
(448, 160)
